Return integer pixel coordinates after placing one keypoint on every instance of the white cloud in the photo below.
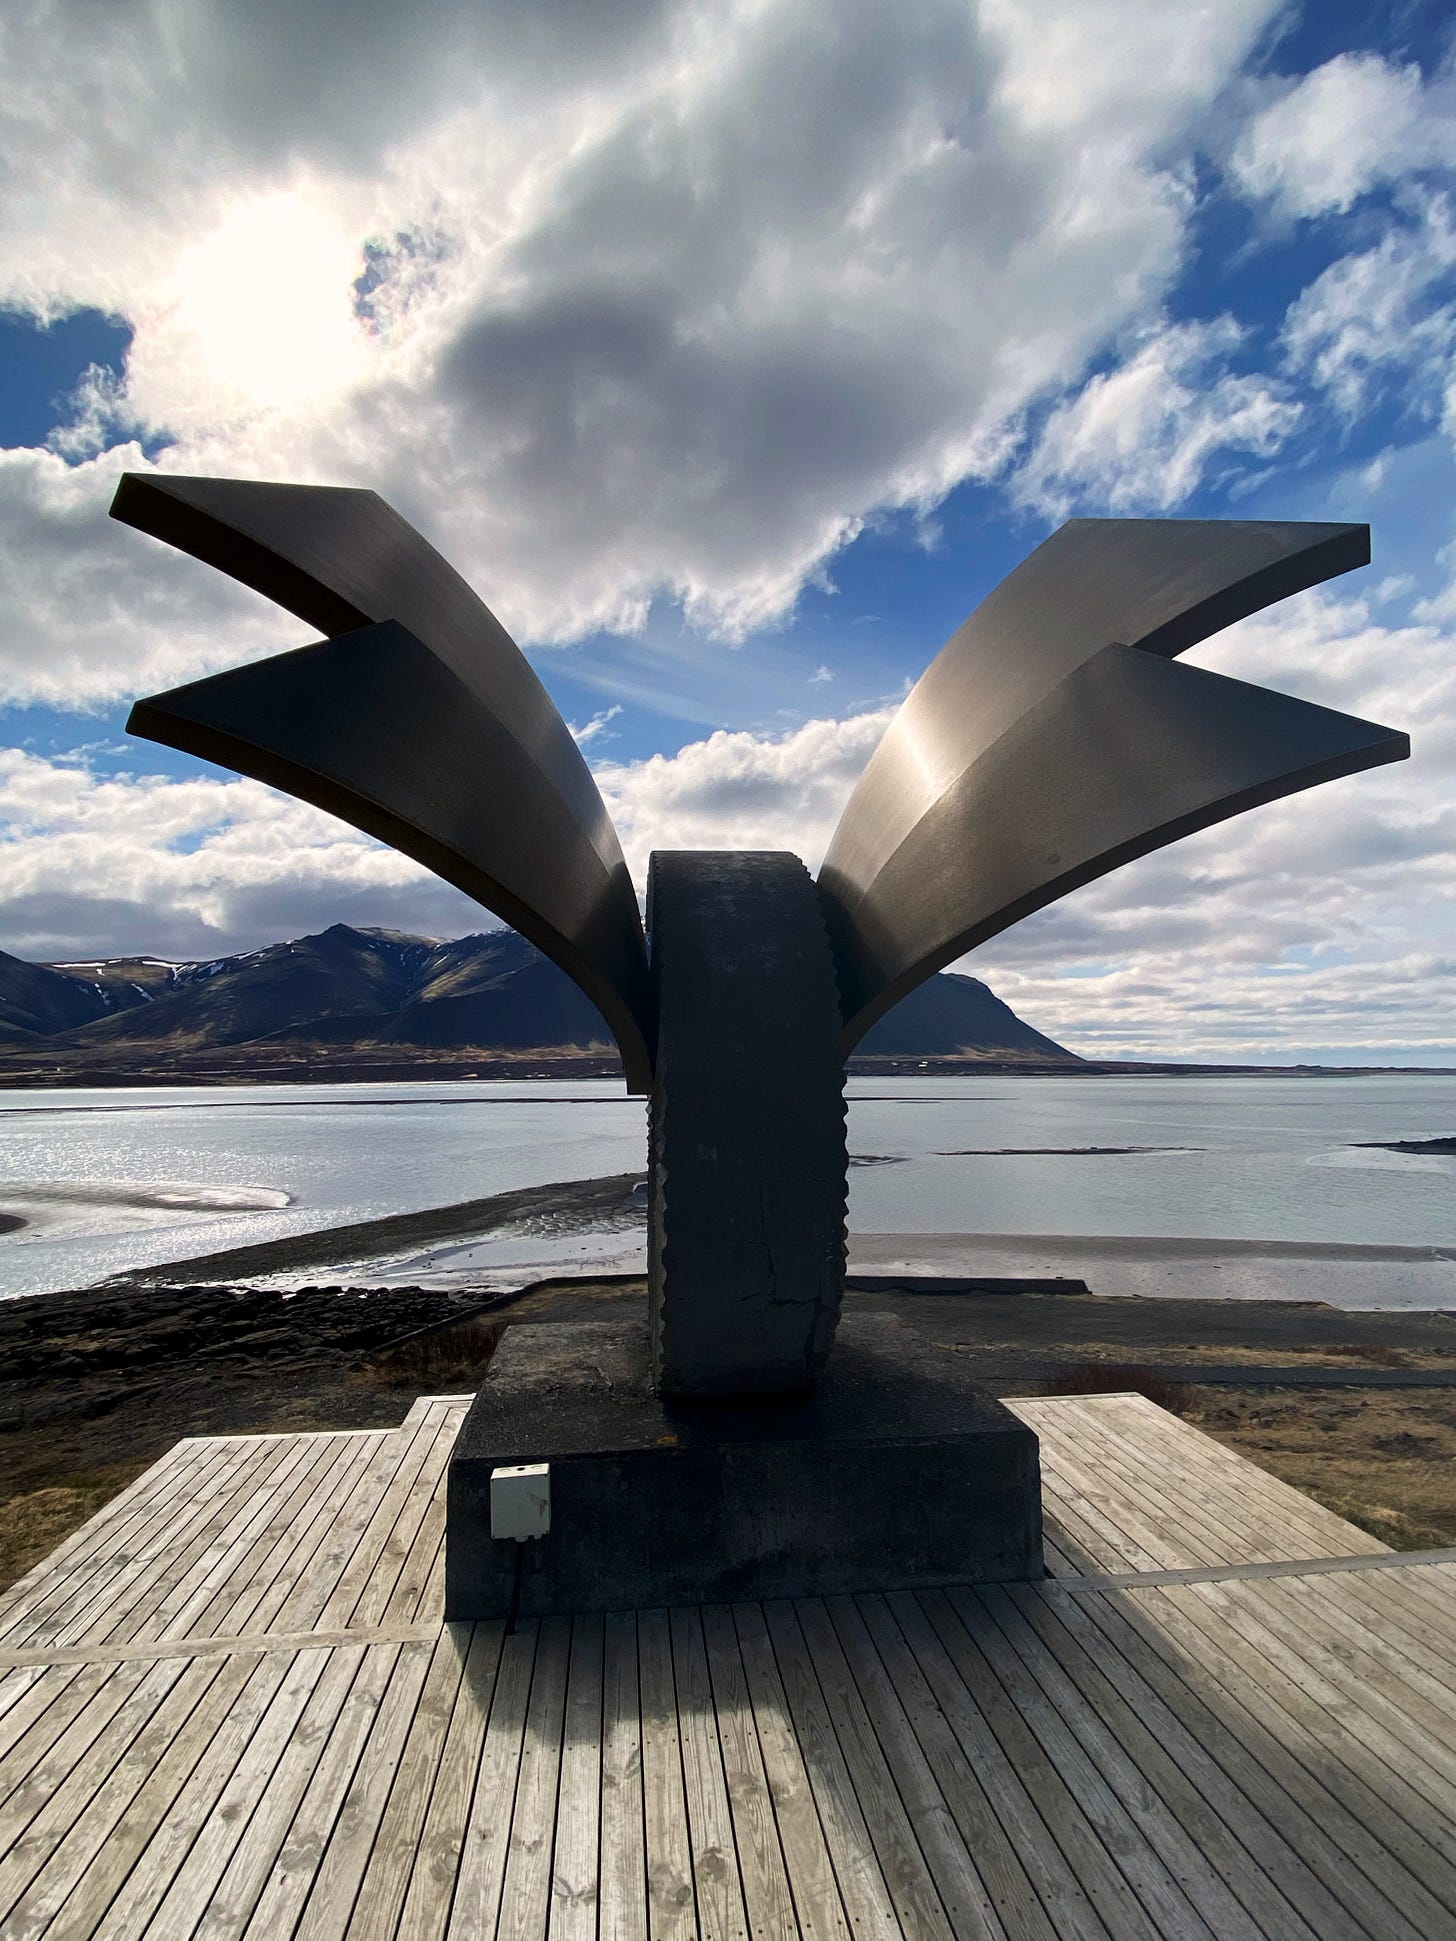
(1141, 437)
(741, 791)
(104, 865)
(93, 866)
(597, 729)
(1341, 130)
(665, 300)
(92, 611)
(1377, 314)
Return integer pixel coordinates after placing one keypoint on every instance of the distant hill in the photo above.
(351, 998)
(951, 1015)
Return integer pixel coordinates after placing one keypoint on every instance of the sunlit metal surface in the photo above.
(1054, 738)
(418, 720)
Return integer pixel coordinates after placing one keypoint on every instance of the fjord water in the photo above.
(110, 1179)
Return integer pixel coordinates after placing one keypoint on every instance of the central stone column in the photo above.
(747, 1163)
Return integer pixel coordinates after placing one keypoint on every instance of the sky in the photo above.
(733, 352)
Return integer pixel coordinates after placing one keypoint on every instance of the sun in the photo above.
(264, 305)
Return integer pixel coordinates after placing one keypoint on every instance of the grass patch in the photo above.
(1374, 1352)
(444, 1359)
(1121, 1378)
(1395, 1527)
(32, 1524)
(1384, 1459)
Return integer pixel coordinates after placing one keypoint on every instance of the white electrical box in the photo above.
(520, 1501)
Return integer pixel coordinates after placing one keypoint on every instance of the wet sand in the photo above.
(1346, 1276)
(1129, 1267)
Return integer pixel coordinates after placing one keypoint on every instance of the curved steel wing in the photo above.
(417, 720)
(1055, 738)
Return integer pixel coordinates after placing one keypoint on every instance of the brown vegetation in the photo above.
(1121, 1378)
(1382, 1458)
(441, 1361)
(33, 1524)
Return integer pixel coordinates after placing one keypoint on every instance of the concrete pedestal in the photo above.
(895, 1471)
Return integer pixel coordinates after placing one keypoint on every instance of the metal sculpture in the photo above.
(1052, 739)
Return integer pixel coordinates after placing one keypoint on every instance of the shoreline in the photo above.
(1343, 1274)
(17, 1074)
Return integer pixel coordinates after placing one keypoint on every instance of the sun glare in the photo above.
(266, 302)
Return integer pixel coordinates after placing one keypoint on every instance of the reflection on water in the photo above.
(111, 1179)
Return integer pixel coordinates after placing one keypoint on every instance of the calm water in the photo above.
(114, 1179)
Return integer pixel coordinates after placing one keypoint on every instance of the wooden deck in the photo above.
(228, 1706)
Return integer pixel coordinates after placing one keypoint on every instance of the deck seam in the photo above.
(262, 1642)
(1131, 1580)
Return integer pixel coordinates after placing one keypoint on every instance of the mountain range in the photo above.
(367, 1001)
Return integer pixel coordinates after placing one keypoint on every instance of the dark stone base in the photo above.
(895, 1472)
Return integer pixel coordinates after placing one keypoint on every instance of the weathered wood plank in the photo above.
(187, 1854)
(867, 1897)
(957, 1868)
(802, 1632)
(1031, 1885)
(64, 1686)
(1138, 1774)
(1251, 1850)
(123, 1521)
(176, 1602)
(109, 1833)
(1333, 1800)
(1164, 1506)
(232, 1604)
(236, 1889)
(671, 1906)
(1361, 1729)
(384, 1593)
(768, 1898)
(305, 1601)
(1236, 1769)
(364, 1769)
(721, 1915)
(576, 1866)
(1057, 1801)
(45, 1755)
(1159, 1895)
(399, 1844)
(430, 1889)
(298, 1840)
(58, 1799)
(143, 1850)
(622, 1915)
(104, 1612)
(526, 1896)
(1358, 1641)
(483, 1851)
(373, 1551)
(1159, 1439)
(158, 1529)
(311, 1557)
(818, 1902)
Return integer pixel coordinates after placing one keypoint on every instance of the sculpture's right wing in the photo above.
(418, 721)
(1055, 737)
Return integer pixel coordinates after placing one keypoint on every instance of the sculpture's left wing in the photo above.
(418, 720)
